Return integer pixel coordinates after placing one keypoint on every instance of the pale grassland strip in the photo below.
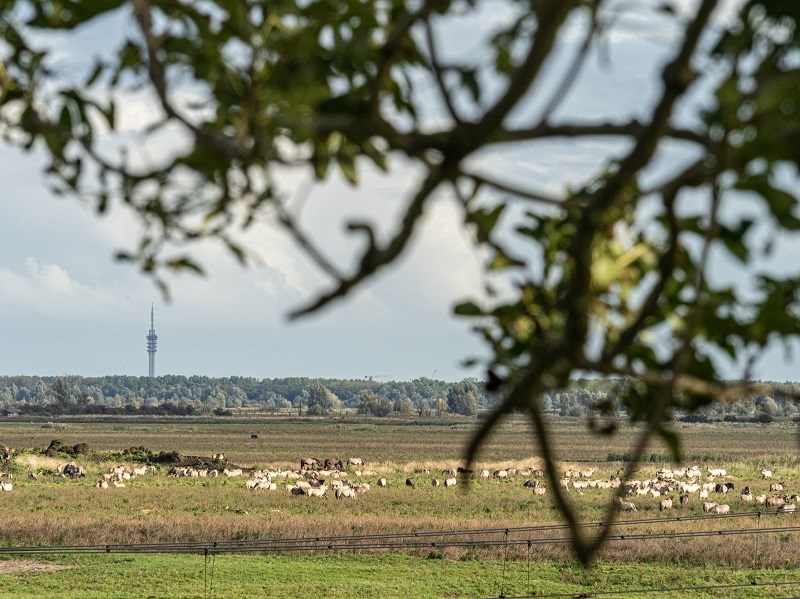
(374, 543)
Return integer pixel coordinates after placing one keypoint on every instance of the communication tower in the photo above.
(152, 338)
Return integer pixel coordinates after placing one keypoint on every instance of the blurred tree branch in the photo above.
(609, 276)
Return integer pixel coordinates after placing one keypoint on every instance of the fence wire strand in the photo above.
(409, 540)
(468, 538)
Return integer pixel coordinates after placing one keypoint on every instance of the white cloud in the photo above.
(47, 288)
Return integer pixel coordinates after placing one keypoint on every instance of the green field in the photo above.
(58, 511)
(386, 575)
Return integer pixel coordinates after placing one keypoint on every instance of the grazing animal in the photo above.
(626, 506)
(531, 484)
(309, 463)
(540, 490)
(355, 462)
(345, 492)
(435, 482)
(410, 483)
(708, 506)
(73, 471)
(381, 482)
(776, 486)
(684, 499)
(317, 491)
(333, 464)
(7, 487)
(722, 508)
(766, 473)
(450, 482)
(665, 504)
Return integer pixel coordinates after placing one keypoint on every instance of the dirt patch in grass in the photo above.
(28, 566)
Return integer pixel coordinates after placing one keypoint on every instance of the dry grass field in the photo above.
(284, 440)
(158, 508)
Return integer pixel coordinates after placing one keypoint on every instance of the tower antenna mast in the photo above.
(152, 339)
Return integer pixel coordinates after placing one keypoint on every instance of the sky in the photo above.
(67, 307)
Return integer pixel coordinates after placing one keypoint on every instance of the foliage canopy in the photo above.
(614, 276)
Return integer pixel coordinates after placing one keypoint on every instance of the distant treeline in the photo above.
(423, 397)
(201, 395)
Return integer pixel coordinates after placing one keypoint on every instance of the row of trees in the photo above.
(180, 395)
(205, 395)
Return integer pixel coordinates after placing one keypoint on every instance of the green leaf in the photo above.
(98, 69)
(184, 263)
(321, 165)
(378, 157)
(734, 240)
(467, 309)
(500, 261)
(469, 80)
(348, 167)
(486, 220)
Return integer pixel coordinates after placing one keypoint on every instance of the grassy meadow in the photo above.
(159, 508)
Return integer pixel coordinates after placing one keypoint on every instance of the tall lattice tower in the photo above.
(152, 338)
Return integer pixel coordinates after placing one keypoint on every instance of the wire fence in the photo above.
(486, 537)
(505, 538)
